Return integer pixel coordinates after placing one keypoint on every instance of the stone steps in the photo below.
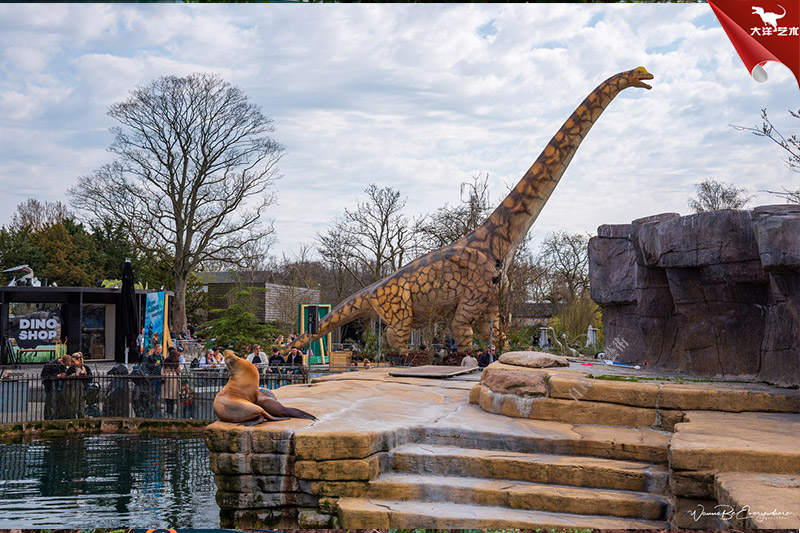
(575, 397)
(551, 437)
(578, 471)
(367, 513)
(519, 495)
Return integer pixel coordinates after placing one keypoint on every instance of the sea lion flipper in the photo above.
(275, 408)
(255, 421)
(262, 390)
(299, 413)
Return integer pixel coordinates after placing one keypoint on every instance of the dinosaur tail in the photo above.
(356, 306)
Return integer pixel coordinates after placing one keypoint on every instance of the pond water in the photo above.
(102, 481)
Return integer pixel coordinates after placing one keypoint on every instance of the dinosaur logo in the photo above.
(769, 19)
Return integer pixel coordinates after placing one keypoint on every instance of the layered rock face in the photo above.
(712, 294)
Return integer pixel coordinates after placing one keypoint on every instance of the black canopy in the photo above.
(128, 315)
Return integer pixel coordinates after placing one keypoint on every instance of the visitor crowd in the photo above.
(164, 385)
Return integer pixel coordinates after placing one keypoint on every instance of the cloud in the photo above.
(416, 97)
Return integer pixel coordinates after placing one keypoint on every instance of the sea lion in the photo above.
(271, 405)
(236, 402)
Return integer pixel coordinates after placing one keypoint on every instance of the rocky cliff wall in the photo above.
(714, 294)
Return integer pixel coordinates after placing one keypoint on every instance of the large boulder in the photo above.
(533, 359)
(712, 294)
(529, 384)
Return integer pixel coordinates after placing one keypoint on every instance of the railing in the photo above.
(191, 347)
(187, 394)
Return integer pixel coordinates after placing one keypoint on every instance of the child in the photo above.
(187, 400)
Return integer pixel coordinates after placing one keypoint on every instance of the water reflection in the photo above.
(103, 481)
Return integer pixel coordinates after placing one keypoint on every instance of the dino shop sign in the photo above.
(32, 330)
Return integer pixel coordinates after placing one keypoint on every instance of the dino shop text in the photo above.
(37, 329)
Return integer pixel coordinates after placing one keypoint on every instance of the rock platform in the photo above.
(715, 294)
(553, 447)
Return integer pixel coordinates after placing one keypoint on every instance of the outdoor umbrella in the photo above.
(127, 312)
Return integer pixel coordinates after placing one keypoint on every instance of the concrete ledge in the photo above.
(569, 411)
(635, 394)
(341, 469)
(519, 495)
(342, 444)
(52, 428)
(759, 501)
(740, 442)
(385, 514)
(735, 398)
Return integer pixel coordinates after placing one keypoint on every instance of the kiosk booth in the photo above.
(38, 324)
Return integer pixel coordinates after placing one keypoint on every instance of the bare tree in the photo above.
(450, 223)
(713, 195)
(564, 257)
(191, 178)
(298, 275)
(372, 240)
(791, 145)
(36, 215)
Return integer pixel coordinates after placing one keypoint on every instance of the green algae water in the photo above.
(102, 481)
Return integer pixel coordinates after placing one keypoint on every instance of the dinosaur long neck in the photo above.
(507, 226)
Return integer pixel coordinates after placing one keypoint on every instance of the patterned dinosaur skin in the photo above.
(460, 279)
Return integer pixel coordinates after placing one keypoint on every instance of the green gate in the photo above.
(321, 348)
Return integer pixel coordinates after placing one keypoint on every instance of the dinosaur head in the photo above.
(634, 77)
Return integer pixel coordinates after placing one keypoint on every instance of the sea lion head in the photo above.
(231, 360)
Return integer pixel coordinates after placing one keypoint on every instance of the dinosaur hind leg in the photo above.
(467, 313)
(490, 324)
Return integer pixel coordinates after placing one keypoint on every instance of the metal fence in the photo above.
(187, 394)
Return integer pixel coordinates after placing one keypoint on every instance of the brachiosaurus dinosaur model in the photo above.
(459, 278)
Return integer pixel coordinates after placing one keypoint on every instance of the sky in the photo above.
(416, 97)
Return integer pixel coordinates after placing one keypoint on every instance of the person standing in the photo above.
(152, 365)
(484, 359)
(53, 385)
(450, 342)
(76, 385)
(187, 401)
(140, 344)
(172, 377)
(469, 361)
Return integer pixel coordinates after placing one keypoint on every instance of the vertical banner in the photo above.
(761, 31)
(154, 319)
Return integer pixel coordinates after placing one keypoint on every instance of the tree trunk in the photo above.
(178, 318)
